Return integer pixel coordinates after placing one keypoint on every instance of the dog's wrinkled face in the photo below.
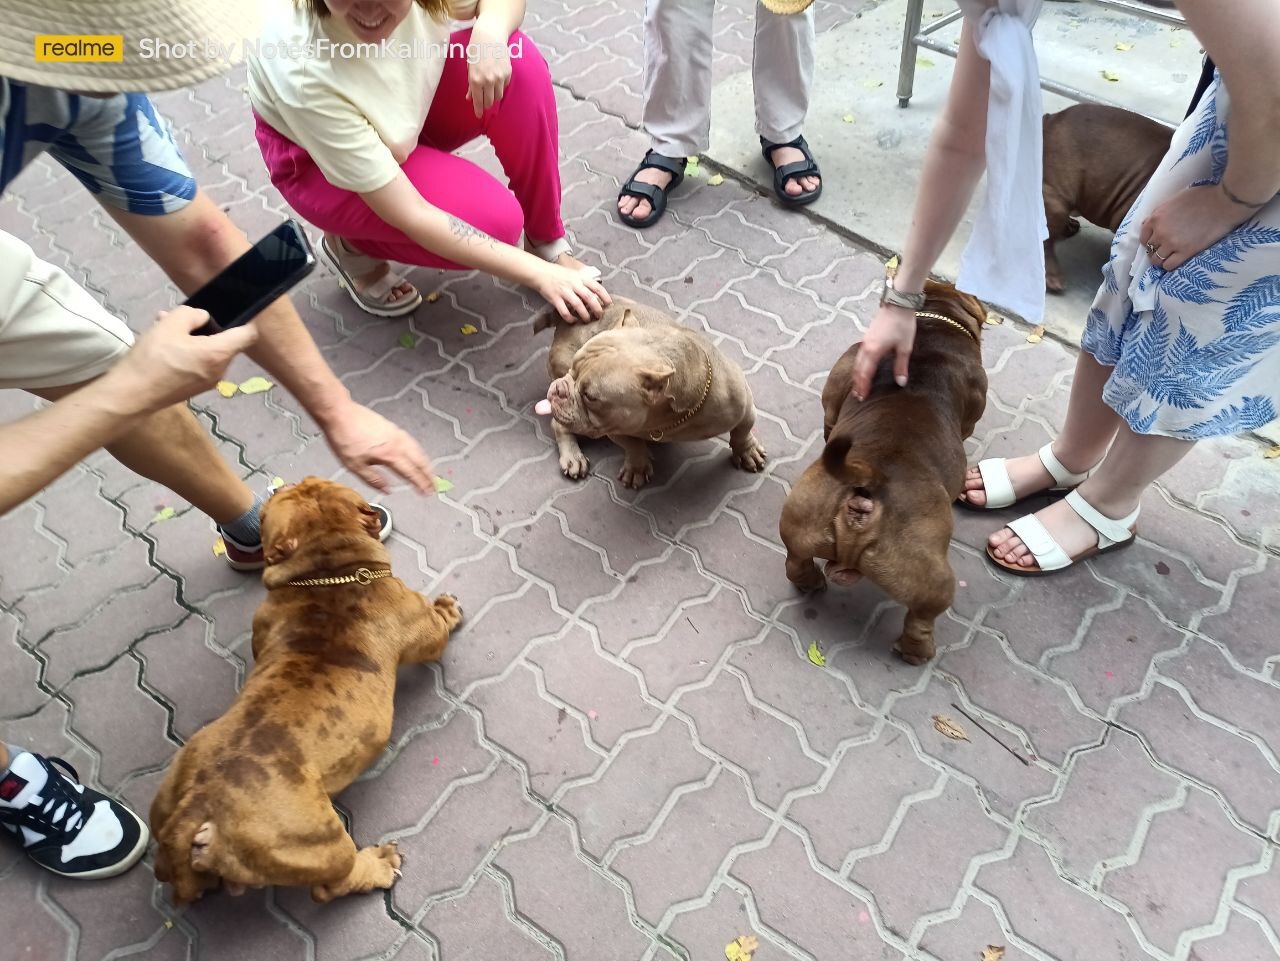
(613, 387)
(306, 512)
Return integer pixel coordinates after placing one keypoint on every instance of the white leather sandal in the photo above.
(1113, 535)
(373, 299)
(999, 488)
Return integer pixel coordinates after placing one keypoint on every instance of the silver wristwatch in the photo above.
(888, 295)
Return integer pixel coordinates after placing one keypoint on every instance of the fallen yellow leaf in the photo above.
(923, 62)
(816, 655)
(716, 180)
(433, 297)
(277, 483)
(1175, 42)
(693, 162)
(219, 547)
(872, 83)
(741, 948)
(848, 118)
(256, 385)
(443, 486)
(949, 728)
(468, 329)
(993, 952)
(995, 320)
(1111, 75)
(167, 924)
(1122, 47)
(892, 263)
(163, 515)
(227, 389)
(1036, 335)
(1273, 453)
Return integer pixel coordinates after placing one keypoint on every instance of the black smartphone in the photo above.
(271, 267)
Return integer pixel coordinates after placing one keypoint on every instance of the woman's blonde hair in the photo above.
(439, 9)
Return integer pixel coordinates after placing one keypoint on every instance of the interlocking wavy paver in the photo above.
(74, 513)
(945, 832)
(195, 681)
(549, 881)
(111, 628)
(20, 670)
(577, 571)
(969, 934)
(1105, 801)
(1115, 654)
(1227, 693)
(358, 929)
(855, 809)
(1246, 628)
(767, 748)
(496, 635)
(705, 932)
(551, 743)
(1247, 499)
(868, 661)
(1213, 551)
(607, 693)
(726, 550)
(611, 807)
(1160, 576)
(785, 679)
(1242, 939)
(690, 648)
(248, 928)
(116, 915)
(478, 927)
(806, 908)
(474, 819)
(592, 515)
(694, 480)
(1005, 782)
(1167, 899)
(631, 614)
(39, 567)
(123, 723)
(1022, 696)
(1206, 752)
(679, 861)
(1054, 620)
(1261, 892)
(1055, 916)
(30, 924)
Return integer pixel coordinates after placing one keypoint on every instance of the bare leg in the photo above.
(1133, 464)
(172, 449)
(748, 454)
(1086, 434)
(637, 468)
(573, 462)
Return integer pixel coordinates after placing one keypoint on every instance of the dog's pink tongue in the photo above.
(542, 407)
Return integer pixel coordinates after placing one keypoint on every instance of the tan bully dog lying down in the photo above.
(878, 500)
(1096, 161)
(636, 376)
(246, 801)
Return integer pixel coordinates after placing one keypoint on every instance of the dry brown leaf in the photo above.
(1036, 335)
(741, 948)
(993, 952)
(949, 728)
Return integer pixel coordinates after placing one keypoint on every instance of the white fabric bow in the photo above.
(1004, 259)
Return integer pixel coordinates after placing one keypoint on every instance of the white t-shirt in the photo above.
(357, 109)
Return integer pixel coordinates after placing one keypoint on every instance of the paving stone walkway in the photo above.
(626, 754)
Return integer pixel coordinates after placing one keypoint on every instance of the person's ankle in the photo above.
(1075, 459)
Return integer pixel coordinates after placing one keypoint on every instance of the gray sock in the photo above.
(246, 529)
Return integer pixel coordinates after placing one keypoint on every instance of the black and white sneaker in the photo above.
(64, 826)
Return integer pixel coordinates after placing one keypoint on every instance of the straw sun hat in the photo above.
(787, 6)
(167, 43)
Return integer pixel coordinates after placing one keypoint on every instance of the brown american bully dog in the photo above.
(636, 376)
(246, 801)
(1096, 161)
(878, 501)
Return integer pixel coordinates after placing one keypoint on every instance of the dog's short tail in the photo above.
(841, 463)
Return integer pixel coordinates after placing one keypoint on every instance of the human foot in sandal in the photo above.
(369, 280)
(643, 198)
(1059, 536)
(796, 177)
(1000, 482)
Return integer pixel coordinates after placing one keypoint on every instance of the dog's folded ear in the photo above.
(544, 318)
(654, 381)
(279, 549)
(628, 319)
(372, 521)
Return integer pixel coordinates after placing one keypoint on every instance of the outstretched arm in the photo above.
(953, 165)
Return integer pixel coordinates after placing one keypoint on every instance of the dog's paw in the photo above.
(384, 865)
(914, 652)
(636, 476)
(751, 457)
(450, 609)
(811, 583)
(575, 466)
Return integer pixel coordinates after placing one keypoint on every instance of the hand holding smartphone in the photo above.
(270, 268)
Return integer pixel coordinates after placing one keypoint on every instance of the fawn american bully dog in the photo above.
(878, 501)
(636, 376)
(246, 801)
(1096, 161)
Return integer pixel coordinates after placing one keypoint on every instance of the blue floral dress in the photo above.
(1196, 350)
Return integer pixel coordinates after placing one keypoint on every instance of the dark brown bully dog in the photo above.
(246, 802)
(1096, 161)
(878, 501)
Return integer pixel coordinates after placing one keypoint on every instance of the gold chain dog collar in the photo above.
(930, 315)
(362, 576)
(656, 435)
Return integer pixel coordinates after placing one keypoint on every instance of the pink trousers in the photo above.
(523, 129)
